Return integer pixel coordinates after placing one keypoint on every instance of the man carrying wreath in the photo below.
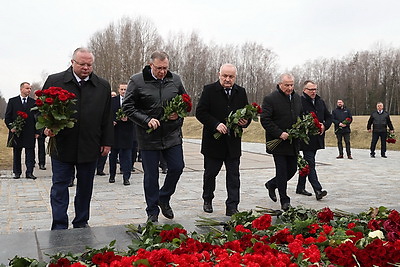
(217, 101)
(79, 147)
(148, 93)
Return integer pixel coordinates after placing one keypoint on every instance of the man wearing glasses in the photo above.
(311, 102)
(145, 97)
(79, 147)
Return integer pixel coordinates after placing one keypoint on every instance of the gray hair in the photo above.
(161, 55)
(284, 75)
(227, 65)
(81, 50)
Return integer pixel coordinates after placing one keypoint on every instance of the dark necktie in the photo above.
(228, 92)
(24, 102)
(82, 83)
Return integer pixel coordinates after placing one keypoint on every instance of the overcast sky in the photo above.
(38, 37)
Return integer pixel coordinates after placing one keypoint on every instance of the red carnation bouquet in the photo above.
(55, 107)
(306, 125)
(391, 138)
(249, 112)
(18, 124)
(180, 104)
(346, 121)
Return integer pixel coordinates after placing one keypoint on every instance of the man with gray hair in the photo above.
(216, 102)
(280, 110)
(147, 93)
(79, 147)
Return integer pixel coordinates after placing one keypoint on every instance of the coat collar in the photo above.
(69, 77)
(148, 77)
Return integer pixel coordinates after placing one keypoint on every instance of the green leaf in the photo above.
(39, 125)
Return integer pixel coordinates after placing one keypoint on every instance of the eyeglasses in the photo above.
(83, 64)
(160, 68)
(311, 89)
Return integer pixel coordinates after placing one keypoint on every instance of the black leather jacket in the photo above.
(144, 100)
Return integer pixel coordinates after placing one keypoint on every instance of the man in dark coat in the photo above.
(280, 110)
(148, 92)
(342, 119)
(216, 102)
(27, 137)
(79, 147)
(311, 102)
(123, 140)
(380, 122)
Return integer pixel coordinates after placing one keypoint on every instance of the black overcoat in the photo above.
(278, 115)
(123, 130)
(213, 108)
(319, 108)
(27, 136)
(94, 127)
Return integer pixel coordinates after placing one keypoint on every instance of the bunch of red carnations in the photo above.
(17, 125)
(56, 109)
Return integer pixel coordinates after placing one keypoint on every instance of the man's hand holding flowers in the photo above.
(343, 124)
(237, 120)
(179, 106)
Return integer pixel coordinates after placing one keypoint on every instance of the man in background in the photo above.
(27, 138)
(123, 140)
(342, 119)
(380, 122)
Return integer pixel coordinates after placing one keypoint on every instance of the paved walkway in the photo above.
(25, 213)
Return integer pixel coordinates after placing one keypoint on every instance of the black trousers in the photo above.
(375, 138)
(41, 150)
(346, 137)
(309, 156)
(285, 168)
(29, 160)
(212, 166)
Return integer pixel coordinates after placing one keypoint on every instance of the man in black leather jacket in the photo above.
(146, 95)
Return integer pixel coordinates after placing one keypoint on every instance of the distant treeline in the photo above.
(361, 78)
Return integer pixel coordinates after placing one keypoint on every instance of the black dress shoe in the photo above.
(230, 212)
(166, 210)
(126, 182)
(286, 206)
(16, 176)
(207, 207)
(30, 176)
(112, 179)
(320, 194)
(271, 192)
(101, 173)
(303, 192)
(384, 156)
(152, 218)
(372, 155)
(42, 167)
